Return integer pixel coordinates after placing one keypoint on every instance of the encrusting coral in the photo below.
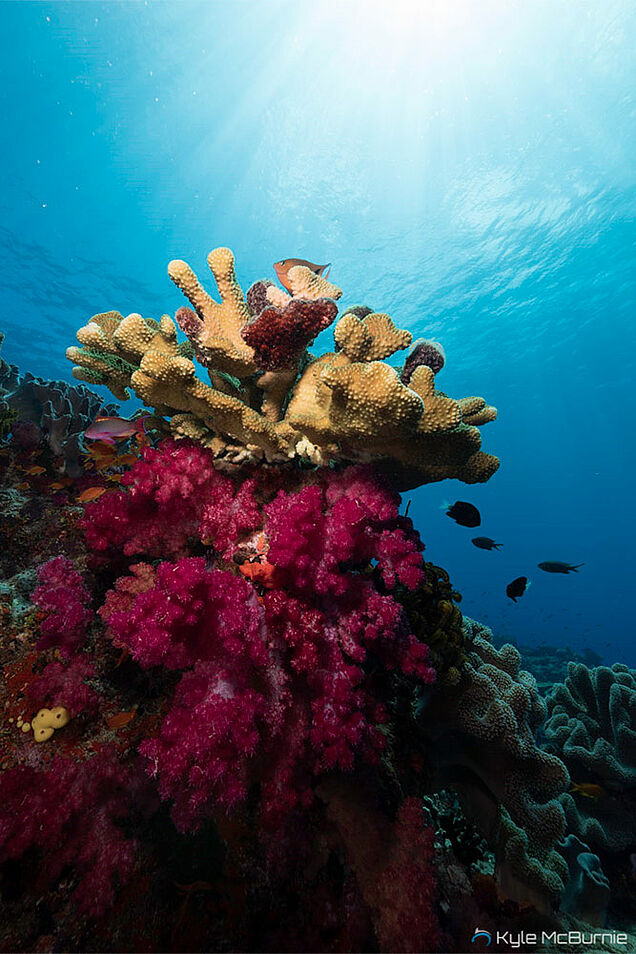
(268, 396)
(592, 728)
(484, 728)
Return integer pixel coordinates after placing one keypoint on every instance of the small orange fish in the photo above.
(56, 486)
(102, 460)
(588, 790)
(282, 268)
(100, 447)
(126, 460)
(115, 478)
(263, 573)
(92, 493)
(121, 719)
(35, 470)
(25, 485)
(125, 653)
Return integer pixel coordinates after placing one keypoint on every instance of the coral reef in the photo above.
(592, 728)
(268, 396)
(238, 653)
(549, 664)
(482, 736)
(55, 411)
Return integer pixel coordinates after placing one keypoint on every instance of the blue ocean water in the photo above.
(466, 167)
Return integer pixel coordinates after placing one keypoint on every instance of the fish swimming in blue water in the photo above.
(554, 566)
(465, 514)
(485, 543)
(517, 588)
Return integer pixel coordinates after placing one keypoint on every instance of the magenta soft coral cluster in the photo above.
(277, 684)
(71, 811)
(66, 684)
(173, 495)
(407, 920)
(63, 595)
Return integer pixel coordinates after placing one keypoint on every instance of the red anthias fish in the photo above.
(282, 268)
(111, 429)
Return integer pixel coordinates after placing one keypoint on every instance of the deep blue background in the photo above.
(466, 167)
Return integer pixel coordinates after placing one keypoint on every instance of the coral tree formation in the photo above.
(234, 682)
(269, 397)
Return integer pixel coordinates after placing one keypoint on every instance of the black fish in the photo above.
(485, 543)
(517, 588)
(554, 566)
(464, 514)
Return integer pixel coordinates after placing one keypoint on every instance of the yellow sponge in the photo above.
(47, 721)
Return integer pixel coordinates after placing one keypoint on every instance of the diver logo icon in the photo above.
(480, 933)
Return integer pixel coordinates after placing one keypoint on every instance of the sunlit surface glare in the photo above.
(409, 37)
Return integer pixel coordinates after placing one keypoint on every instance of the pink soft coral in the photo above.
(319, 534)
(191, 613)
(173, 495)
(407, 892)
(70, 811)
(65, 684)
(277, 688)
(63, 595)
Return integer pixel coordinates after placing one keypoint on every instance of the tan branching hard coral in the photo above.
(268, 395)
(171, 380)
(214, 328)
(441, 413)
(99, 360)
(371, 338)
(369, 403)
(112, 348)
(307, 284)
(475, 411)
